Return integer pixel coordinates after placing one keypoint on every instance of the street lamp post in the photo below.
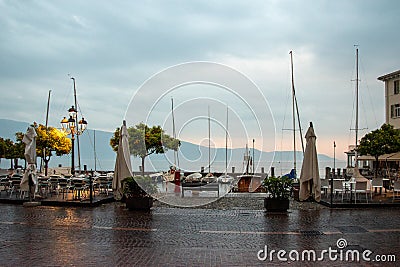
(69, 126)
(334, 154)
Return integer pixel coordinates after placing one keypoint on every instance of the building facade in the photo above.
(392, 98)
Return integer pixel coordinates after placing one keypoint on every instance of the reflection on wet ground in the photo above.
(230, 233)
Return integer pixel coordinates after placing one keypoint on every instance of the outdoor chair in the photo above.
(43, 186)
(64, 187)
(339, 187)
(377, 183)
(53, 184)
(361, 187)
(396, 188)
(79, 188)
(103, 184)
(15, 185)
(4, 183)
(325, 185)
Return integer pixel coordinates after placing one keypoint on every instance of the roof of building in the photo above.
(389, 76)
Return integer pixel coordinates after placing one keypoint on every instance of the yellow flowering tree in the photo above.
(51, 140)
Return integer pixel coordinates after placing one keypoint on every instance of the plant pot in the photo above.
(274, 204)
(139, 203)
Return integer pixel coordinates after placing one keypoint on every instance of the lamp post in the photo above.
(334, 154)
(334, 159)
(253, 158)
(69, 126)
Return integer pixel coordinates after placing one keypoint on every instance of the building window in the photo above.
(395, 111)
(396, 87)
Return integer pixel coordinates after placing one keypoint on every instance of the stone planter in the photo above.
(139, 203)
(273, 204)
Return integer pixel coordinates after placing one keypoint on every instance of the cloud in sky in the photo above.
(112, 48)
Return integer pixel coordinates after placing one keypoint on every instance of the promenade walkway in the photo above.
(234, 231)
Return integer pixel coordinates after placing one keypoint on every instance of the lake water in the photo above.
(281, 167)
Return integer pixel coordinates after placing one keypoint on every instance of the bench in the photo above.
(200, 187)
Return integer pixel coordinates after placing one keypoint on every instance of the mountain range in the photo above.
(94, 144)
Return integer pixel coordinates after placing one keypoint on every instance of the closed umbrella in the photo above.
(29, 179)
(123, 167)
(310, 183)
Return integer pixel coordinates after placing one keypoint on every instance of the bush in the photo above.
(138, 186)
(278, 187)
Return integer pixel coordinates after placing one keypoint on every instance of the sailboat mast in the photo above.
(176, 158)
(94, 150)
(293, 113)
(47, 121)
(252, 161)
(299, 123)
(355, 150)
(48, 108)
(247, 159)
(226, 142)
(209, 141)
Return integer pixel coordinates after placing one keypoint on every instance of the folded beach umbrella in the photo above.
(29, 140)
(123, 167)
(310, 184)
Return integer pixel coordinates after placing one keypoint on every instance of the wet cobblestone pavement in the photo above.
(230, 233)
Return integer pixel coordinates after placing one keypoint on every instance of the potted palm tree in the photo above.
(278, 190)
(137, 191)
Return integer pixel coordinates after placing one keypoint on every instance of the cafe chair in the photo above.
(63, 187)
(361, 187)
(338, 187)
(377, 183)
(325, 185)
(396, 189)
(104, 184)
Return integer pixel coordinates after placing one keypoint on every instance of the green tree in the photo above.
(51, 140)
(9, 151)
(379, 142)
(12, 150)
(2, 148)
(144, 141)
(19, 148)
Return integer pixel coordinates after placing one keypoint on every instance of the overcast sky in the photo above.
(113, 47)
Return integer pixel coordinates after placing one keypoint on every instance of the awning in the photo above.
(385, 157)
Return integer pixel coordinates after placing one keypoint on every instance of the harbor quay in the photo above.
(234, 230)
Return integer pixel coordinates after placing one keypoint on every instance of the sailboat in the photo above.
(225, 178)
(248, 181)
(173, 174)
